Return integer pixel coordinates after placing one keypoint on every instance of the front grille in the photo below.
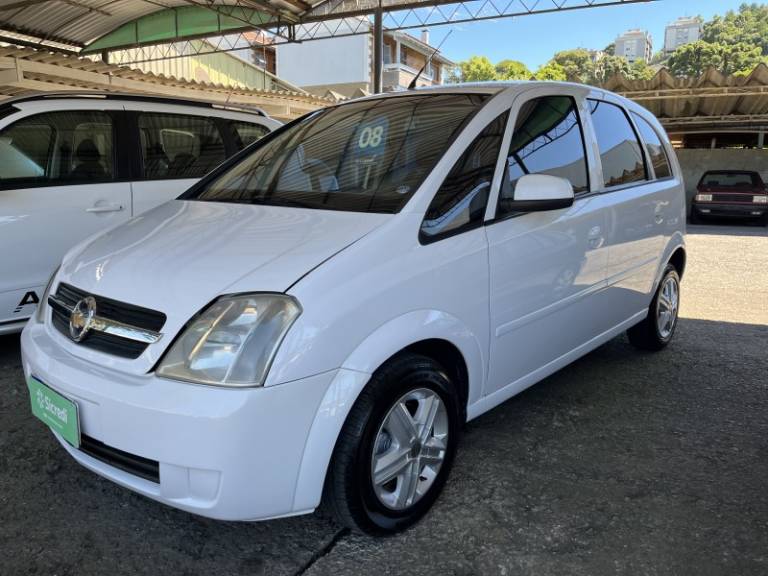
(125, 461)
(741, 198)
(113, 310)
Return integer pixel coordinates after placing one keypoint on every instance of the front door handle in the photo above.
(105, 208)
(595, 237)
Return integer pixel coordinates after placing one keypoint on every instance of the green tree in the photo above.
(610, 66)
(551, 71)
(748, 25)
(577, 64)
(694, 58)
(512, 70)
(740, 58)
(610, 50)
(477, 69)
(641, 71)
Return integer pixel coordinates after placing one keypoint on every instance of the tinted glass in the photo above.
(461, 200)
(620, 152)
(248, 133)
(57, 147)
(730, 180)
(366, 156)
(653, 147)
(547, 139)
(178, 146)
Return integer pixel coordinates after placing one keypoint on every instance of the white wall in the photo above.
(320, 62)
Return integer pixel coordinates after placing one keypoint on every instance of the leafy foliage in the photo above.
(512, 70)
(477, 69)
(551, 71)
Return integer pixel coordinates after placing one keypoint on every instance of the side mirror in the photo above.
(540, 192)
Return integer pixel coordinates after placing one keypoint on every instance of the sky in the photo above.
(534, 39)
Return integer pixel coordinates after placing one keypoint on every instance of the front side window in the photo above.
(547, 139)
(620, 151)
(653, 147)
(179, 146)
(461, 200)
(366, 156)
(73, 147)
(247, 133)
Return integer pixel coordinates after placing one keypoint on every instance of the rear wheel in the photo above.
(396, 448)
(658, 328)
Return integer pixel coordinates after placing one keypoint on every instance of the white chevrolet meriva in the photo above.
(317, 318)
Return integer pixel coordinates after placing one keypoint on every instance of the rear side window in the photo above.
(461, 200)
(653, 147)
(547, 139)
(73, 147)
(620, 151)
(247, 133)
(179, 146)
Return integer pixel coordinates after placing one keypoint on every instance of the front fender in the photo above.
(354, 374)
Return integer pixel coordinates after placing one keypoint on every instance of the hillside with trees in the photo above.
(733, 43)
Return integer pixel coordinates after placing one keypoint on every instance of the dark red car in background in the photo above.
(730, 193)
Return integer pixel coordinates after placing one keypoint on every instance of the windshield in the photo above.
(367, 156)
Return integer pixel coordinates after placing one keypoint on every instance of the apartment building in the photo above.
(635, 45)
(680, 32)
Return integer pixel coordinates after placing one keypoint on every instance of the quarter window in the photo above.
(461, 200)
(178, 146)
(547, 139)
(620, 151)
(653, 147)
(57, 147)
(248, 133)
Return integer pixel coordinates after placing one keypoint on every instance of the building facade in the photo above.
(634, 45)
(680, 32)
(342, 67)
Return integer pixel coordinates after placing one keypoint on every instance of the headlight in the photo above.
(42, 306)
(232, 342)
(704, 197)
(761, 199)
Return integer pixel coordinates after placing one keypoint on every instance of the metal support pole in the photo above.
(761, 139)
(378, 49)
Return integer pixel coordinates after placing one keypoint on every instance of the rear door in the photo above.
(639, 205)
(60, 182)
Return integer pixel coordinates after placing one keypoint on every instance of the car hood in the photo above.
(180, 256)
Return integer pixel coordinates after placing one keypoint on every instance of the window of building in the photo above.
(72, 147)
(178, 146)
(461, 200)
(653, 147)
(620, 151)
(403, 55)
(547, 139)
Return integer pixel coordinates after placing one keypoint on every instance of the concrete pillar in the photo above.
(761, 139)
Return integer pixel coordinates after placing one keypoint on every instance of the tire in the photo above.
(657, 330)
(407, 382)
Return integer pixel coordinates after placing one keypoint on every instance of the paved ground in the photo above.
(624, 463)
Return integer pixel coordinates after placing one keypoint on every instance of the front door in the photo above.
(57, 187)
(546, 268)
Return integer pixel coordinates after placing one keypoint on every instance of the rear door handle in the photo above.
(595, 237)
(106, 208)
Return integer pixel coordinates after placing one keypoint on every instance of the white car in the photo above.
(320, 316)
(73, 164)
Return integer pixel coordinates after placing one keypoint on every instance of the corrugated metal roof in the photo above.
(46, 71)
(712, 96)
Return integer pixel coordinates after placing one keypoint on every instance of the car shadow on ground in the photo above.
(623, 462)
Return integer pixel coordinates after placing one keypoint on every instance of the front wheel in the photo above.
(656, 331)
(396, 448)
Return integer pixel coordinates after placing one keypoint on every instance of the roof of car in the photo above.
(67, 95)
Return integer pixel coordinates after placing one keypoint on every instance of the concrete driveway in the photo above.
(623, 463)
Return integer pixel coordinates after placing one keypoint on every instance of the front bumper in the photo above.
(730, 210)
(231, 454)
